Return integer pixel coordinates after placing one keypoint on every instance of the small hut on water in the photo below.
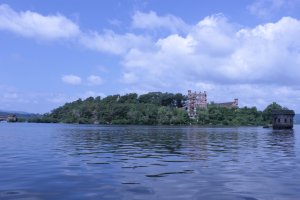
(283, 119)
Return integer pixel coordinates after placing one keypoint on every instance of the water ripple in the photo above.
(47, 161)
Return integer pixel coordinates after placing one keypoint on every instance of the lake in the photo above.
(56, 161)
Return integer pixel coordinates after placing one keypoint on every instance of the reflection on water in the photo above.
(44, 161)
(282, 141)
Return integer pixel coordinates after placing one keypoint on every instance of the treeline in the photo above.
(154, 108)
(216, 115)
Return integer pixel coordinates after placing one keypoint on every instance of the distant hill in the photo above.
(20, 114)
(297, 119)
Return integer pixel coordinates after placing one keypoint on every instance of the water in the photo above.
(47, 161)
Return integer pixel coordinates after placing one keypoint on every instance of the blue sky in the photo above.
(52, 52)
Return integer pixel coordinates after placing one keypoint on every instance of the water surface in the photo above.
(54, 161)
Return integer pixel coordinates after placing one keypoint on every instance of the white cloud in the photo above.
(94, 80)
(71, 79)
(102, 69)
(258, 64)
(151, 20)
(129, 78)
(215, 51)
(113, 43)
(218, 54)
(115, 22)
(12, 99)
(35, 25)
(256, 95)
(50, 27)
(266, 9)
(10, 95)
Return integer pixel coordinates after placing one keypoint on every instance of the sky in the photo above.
(56, 51)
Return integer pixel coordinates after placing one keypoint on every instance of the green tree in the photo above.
(179, 116)
(267, 113)
(203, 116)
(129, 98)
(164, 115)
(152, 108)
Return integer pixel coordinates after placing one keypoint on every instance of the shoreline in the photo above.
(152, 125)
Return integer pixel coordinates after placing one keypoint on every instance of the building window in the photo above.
(285, 120)
(279, 120)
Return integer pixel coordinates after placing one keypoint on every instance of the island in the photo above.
(157, 108)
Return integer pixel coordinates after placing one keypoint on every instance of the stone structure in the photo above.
(196, 100)
(283, 119)
(199, 100)
(233, 104)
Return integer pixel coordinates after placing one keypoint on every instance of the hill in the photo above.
(22, 116)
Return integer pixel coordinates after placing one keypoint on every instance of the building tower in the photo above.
(196, 100)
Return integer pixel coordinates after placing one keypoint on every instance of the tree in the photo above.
(129, 98)
(180, 116)
(203, 116)
(151, 98)
(164, 115)
(267, 113)
(152, 108)
(179, 100)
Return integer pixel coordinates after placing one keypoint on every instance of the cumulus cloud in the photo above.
(94, 80)
(111, 42)
(218, 54)
(266, 9)
(255, 94)
(259, 64)
(152, 21)
(35, 25)
(71, 79)
(216, 51)
(52, 27)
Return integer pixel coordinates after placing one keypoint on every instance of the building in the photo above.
(196, 100)
(283, 119)
(233, 104)
(199, 100)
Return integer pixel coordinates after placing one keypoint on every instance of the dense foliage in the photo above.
(152, 108)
